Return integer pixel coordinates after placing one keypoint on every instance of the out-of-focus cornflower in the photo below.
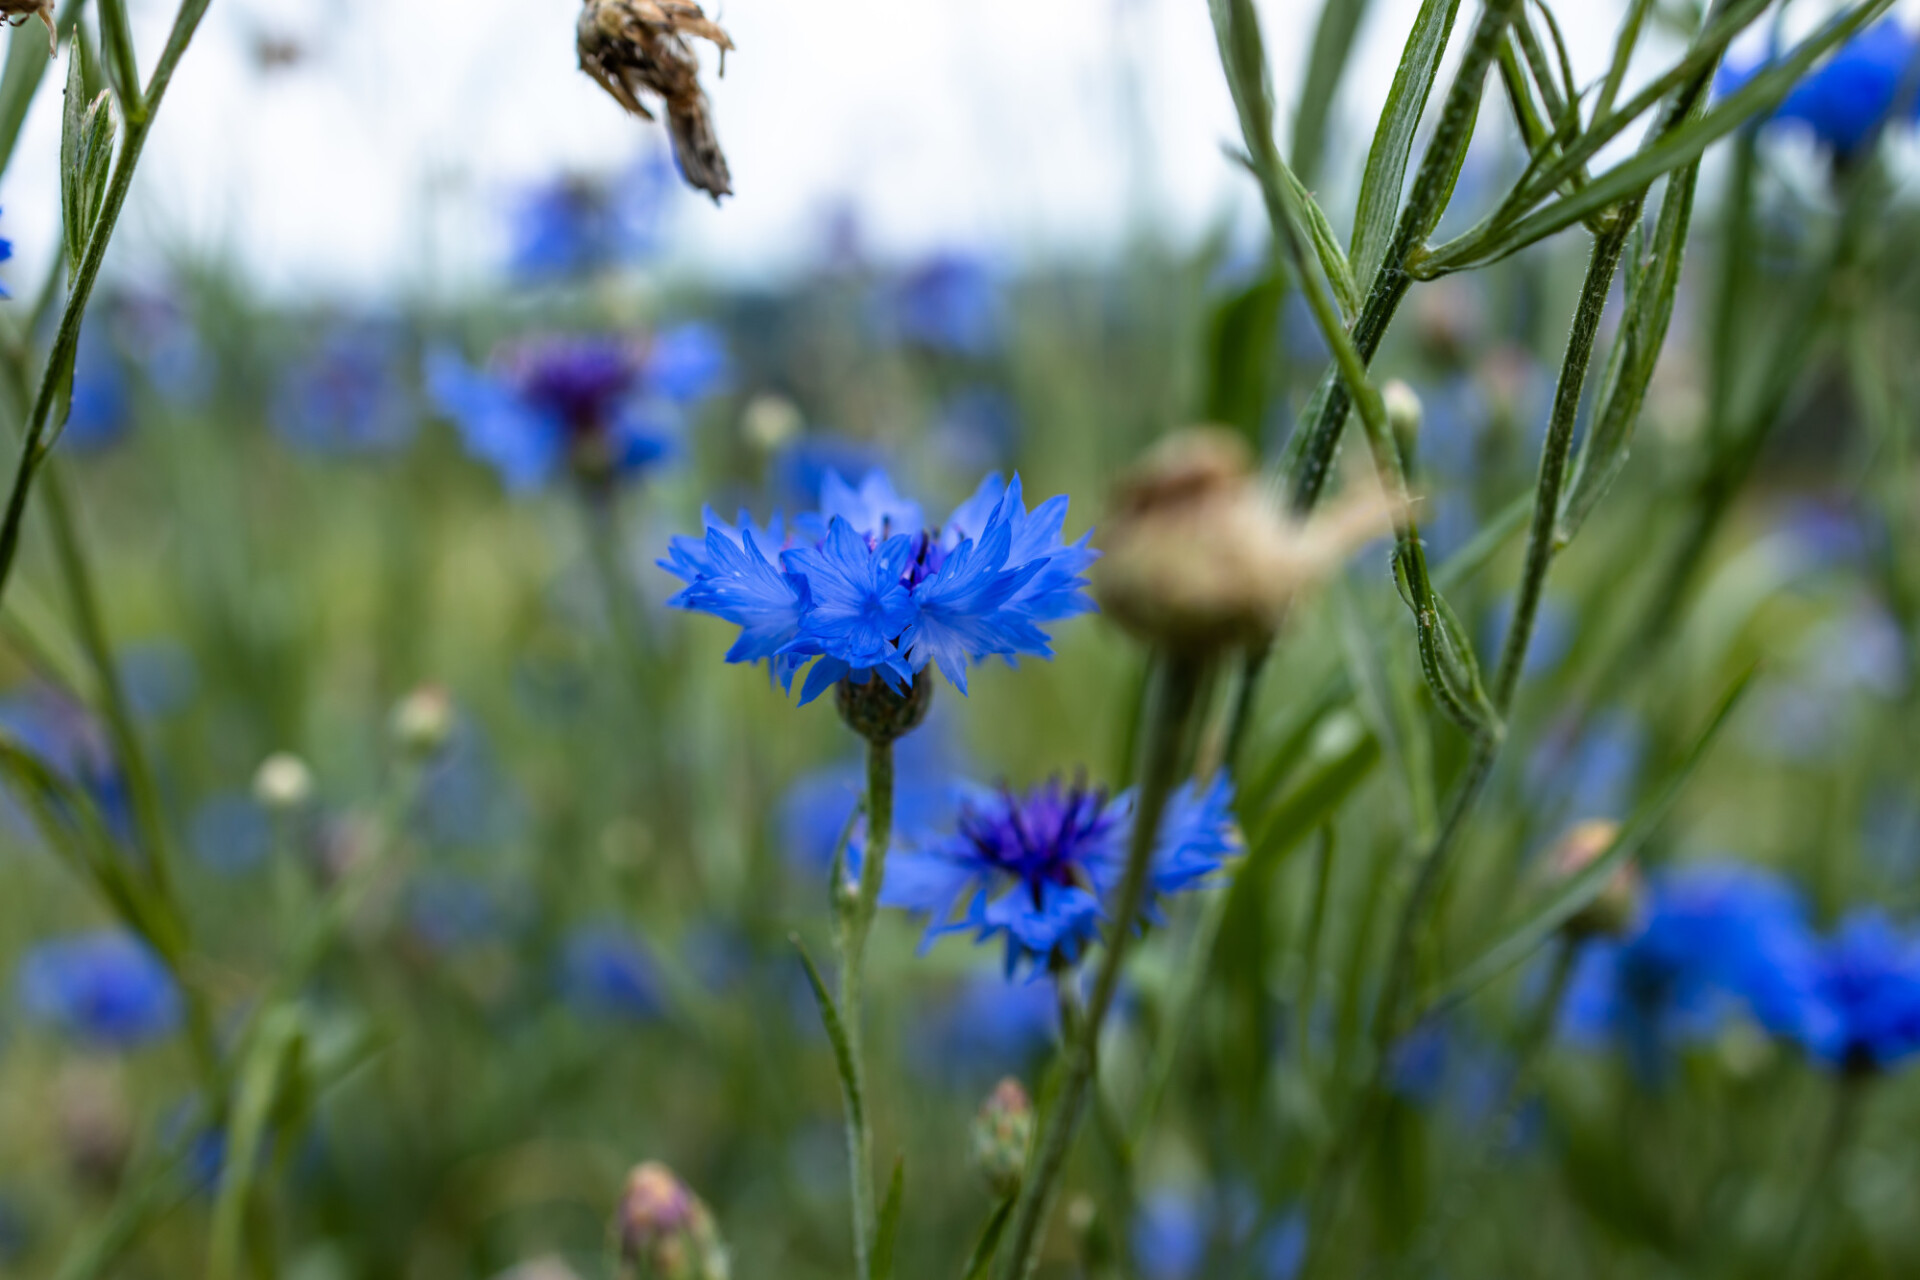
(984, 1030)
(1829, 534)
(6, 252)
(864, 590)
(1170, 1235)
(1035, 869)
(159, 677)
(1552, 637)
(606, 972)
(1437, 1067)
(231, 833)
(449, 912)
(102, 408)
(347, 397)
(926, 799)
(1717, 938)
(1591, 773)
(1865, 1007)
(975, 429)
(151, 327)
(466, 799)
(1176, 1227)
(550, 405)
(949, 302)
(688, 363)
(802, 465)
(104, 989)
(1852, 96)
(67, 738)
(578, 224)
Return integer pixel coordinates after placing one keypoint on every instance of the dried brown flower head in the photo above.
(18, 11)
(1198, 555)
(639, 47)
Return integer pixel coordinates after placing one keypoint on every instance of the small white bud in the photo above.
(283, 782)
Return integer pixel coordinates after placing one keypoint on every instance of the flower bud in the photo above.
(1618, 903)
(1404, 414)
(1002, 1132)
(1198, 554)
(880, 713)
(665, 1230)
(423, 720)
(769, 422)
(283, 783)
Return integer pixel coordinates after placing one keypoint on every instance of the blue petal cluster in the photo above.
(950, 302)
(576, 224)
(346, 397)
(605, 972)
(102, 407)
(865, 590)
(551, 404)
(1865, 1007)
(105, 989)
(1035, 869)
(6, 252)
(1847, 100)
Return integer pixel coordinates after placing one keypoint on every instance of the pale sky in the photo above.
(992, 124)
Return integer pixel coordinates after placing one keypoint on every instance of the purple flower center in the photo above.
(1043, 837)
(578, 380)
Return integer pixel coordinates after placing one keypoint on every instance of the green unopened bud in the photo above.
(1618, 904)
(283, 783)
(880, 713)
(1404, 414)
(665, 1231)
(423, 720)
(1002, 1132)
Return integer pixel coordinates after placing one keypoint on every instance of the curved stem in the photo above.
(858, 923)
(1173, 701)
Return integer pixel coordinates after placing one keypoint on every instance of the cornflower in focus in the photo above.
(104, 989)
(638, 48)
(1035, 869)
(583, 405)
(867, 592)
(1848, 100)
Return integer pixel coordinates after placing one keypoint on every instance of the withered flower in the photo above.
(1199, 554)
(18, 11)
(639, 47)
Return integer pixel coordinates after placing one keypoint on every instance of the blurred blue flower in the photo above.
(926, 798)
(347, 396)
(984, 1030)
(801, 468)
(975, 429)
(1590, 773)
(949, 302)
(1849, 98)
(1716, 938)
(577, 224)
(1552, 637)
(151, 327)
(159, 677)
(448, 912)
(231, 833)
(1830, 534)
(70, 741)
(1865, 997)
(105, 989)
(606, 972)
(867, 590)
(687, 363)
(551, 404)
(1035, 868)
(1281, 1251)
(102, 406)
(1170, 1234)
(6, 252)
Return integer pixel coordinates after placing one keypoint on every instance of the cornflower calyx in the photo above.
(635, 48)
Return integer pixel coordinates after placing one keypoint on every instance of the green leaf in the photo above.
(276, 1048)
(981, 1259)
(1347, 762)
(1333, 39)
(836, 1035)
(1241, 335)
(1579, 890)
(1386, 170)
(26, 66)
(888, 1229)
(86, 153)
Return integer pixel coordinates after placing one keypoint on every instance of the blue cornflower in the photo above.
(106, 989)
(550, 404)
(1848, 99)
(577, 224)
(6, 251)
(1865, 996)
(346, 397)
(606, 972)
(985, 1030)
(926, 798)
(802, 465)
(1590, 770)
(688, 363)
(447, 912)
(1036, 868)
(1170, 1234)
(1716, 938)
(231, 833)
(68, 739)
(102, 407)
(949, 302)
(864, 589)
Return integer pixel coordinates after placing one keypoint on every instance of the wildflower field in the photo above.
(1380, 741)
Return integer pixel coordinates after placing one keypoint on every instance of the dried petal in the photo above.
(636, 48)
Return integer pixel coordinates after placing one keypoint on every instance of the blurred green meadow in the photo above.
(505, 864)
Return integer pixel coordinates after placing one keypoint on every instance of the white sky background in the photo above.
(1001, 125)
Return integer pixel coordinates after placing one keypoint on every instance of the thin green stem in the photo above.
(40, 432)
(1843, 1121)
(858, 922)
(1177, 682)
(117, 34)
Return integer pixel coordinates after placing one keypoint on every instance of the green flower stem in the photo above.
(1177, 681)
(1843, 1122)
(1432, 185)
(856, 923)
(41, 429)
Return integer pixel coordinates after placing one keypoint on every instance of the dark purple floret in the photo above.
(582, 381)
(1045, 836)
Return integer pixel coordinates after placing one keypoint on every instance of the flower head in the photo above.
(949, 302)
(105, 989)
(577, 224)
(1866, 996)
(1849, 98)
(1036, 869)
(579, 403)
(864, 590)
